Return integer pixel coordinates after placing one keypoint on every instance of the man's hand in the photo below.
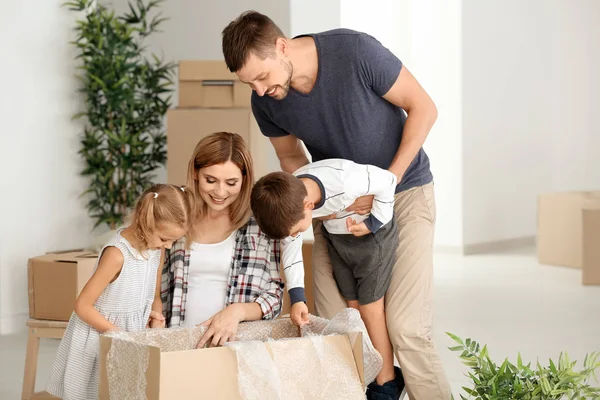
(156, 320)
(325, 218)
(222, 327)
(299, 313)
(362, 205)
(357, 229)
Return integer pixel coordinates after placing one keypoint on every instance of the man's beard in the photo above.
(285, 88)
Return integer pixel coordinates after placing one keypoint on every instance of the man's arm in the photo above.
(290, 152)
(421, 112)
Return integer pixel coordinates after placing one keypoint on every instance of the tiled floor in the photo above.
(505, 300)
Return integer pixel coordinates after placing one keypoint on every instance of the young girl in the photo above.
(123, 293)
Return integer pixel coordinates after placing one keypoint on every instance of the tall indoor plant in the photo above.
(126, 98)
(507, 381)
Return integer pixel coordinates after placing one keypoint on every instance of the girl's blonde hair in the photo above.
(218, 148)
(162, 204)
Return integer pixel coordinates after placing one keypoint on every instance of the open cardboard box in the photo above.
(212, 373)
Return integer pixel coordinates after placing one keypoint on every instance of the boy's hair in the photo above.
(251, 32)
(161, 204)
(218, 148)
(277, 202)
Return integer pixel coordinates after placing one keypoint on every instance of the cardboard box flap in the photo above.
(214, 369)
(71, 257)
(76, 257)
(356, 343)
(65, 251)
(213, 71)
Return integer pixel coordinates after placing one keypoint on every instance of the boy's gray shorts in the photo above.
(362, 266)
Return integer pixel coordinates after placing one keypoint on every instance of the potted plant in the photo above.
(508, 381)
(126, 97)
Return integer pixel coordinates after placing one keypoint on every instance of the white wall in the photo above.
(40, 167)
(312, 16)
(425, 35)
(193, 31)
(529, 98)
(577, 140)
(436, 63)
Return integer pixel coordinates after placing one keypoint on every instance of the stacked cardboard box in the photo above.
(569, 232)
(211, 99)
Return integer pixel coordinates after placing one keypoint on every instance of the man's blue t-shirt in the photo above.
(344, 115)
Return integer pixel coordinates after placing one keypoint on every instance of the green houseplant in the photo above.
(558, 380)
(126, 97)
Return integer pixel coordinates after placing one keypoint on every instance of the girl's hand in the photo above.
(222, 327)
(156, 320)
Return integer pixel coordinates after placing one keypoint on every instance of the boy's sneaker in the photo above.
(392, 390)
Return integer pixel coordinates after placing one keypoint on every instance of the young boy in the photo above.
(361, 247)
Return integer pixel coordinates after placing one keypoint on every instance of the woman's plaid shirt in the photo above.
(253, 275)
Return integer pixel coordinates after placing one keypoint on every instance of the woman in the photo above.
(230, 272)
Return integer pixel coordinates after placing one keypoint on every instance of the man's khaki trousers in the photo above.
(409, 299)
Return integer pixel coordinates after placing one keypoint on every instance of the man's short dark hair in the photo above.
(250, 32)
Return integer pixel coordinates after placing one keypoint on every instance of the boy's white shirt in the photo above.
(293, 265)
(341, 182)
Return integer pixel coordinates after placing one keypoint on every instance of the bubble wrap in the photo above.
(346, 321)
(262, 374)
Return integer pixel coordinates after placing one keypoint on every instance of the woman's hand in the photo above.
(222, 327)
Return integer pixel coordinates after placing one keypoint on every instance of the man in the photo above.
(346, 96)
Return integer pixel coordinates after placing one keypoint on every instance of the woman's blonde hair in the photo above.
(161, 204)
(218, 148)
